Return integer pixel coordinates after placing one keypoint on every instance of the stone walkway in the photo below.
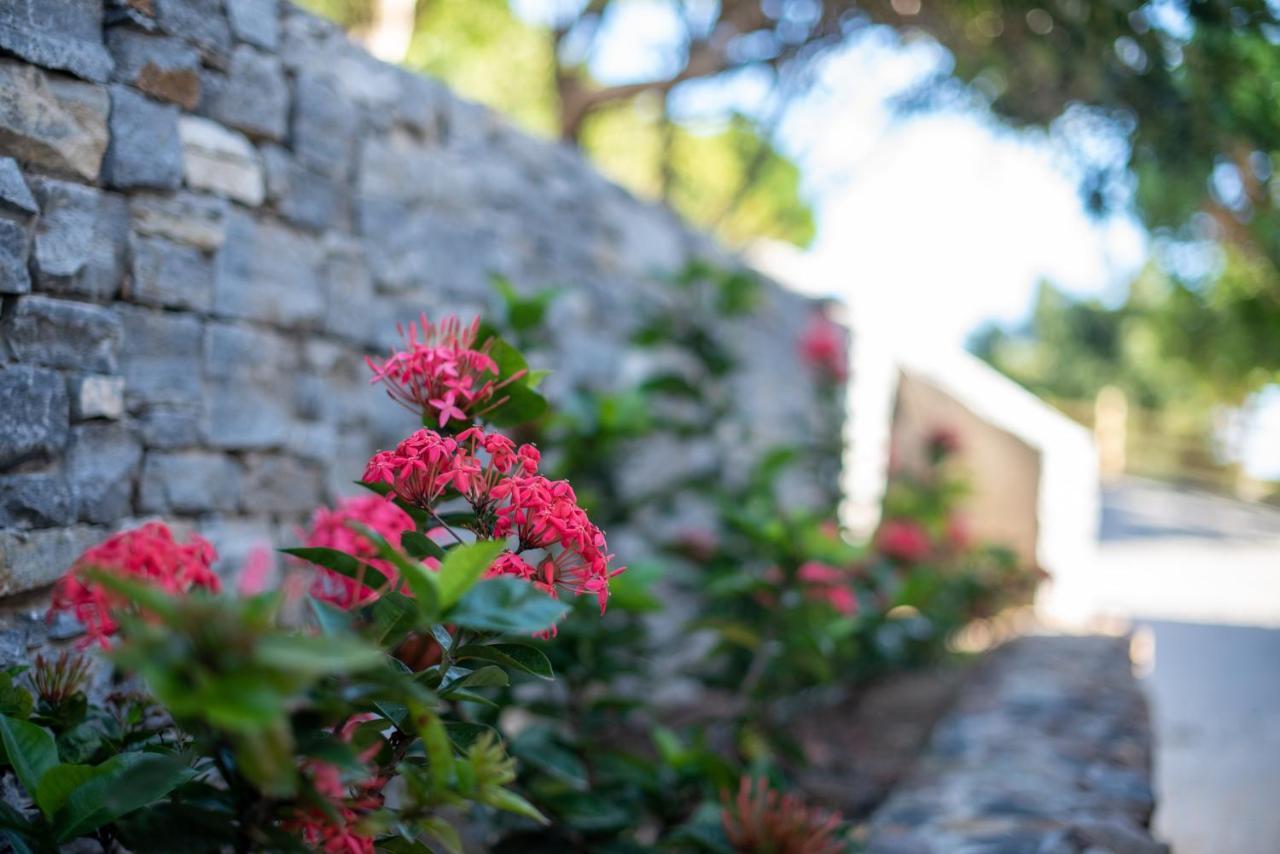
(1048, 751)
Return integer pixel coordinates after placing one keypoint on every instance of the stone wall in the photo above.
(211, 209)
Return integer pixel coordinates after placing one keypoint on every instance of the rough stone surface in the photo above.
(31, 559)
(102, 464)
(63, 34)
(163, 67)
(62, 334)
(169, 274)
(1048, 750)
(252, 96)
(255, 21)
(199, 221)
(39, 500)
(189, 482)
(64, 237)
(161, 357)
(220, 161)
(266, 272)
(15, 246)
(14, 191)
(33, 414)
(95, 396)
(322, 130)
(202, 23)
(145, 149)
(53, 122)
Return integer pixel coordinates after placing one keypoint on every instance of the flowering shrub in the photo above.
(344, 725)
(760, 818)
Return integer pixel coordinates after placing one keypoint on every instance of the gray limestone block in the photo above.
(145, 149)
(96, 396)
(52, 122)
(322, 131)
(280, 485)
(61, 34)
(62, 334)
(268, 272)
(190, 218)
(255, 21)
(163, 67)
(102, 466)
(15, 247)
(189, 482)
(169, 274)
(220, 161)
(252, 96)
(14, 192)
(80, 240)
(312, 201)
(170, 427)
(161, 358)
(32, 559)
(65, 234)
(202, 23)
(237, 540)
(33, 414)
(247, 401)
(36, 500)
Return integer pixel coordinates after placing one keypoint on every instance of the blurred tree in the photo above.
(1195, 85)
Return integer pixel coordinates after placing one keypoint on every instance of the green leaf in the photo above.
(343, 564)
(420, 545)
(526, 658)
(29, 749)
(394, 614)
(506, 605)
(463, 566)
(522, 405)
(422, 581)
(509, 801)
(485, 677)
(538, 748)
(132, 781)
(318, 655)
(59, 782)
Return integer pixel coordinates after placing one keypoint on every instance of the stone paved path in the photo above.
(1046, 752)
(1199, 579)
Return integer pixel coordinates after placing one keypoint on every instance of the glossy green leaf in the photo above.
(526, 658)
(343, 564)
(131, 781)
(506, 605)
(421, 546)
(30, 750)
(463, 566)
(59, 782)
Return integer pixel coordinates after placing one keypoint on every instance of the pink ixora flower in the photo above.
(903, 540)
(149, 554)
(420, 468)
(822, 345)
(441, 372)
(828, 584)
(332, 529)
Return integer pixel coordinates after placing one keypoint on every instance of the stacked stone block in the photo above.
(210, 211)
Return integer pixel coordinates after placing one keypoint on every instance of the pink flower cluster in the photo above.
(903, 540)
(828, 584)
(499, 480)
(336, 830)
(441, 373)
(332, 529)
(822, 345)
(149, 554)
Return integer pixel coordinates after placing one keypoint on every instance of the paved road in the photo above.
(1199, 577)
